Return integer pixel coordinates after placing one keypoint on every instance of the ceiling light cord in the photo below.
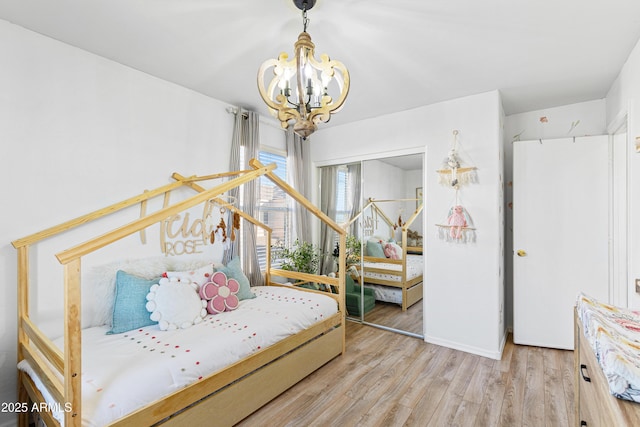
(305, 20)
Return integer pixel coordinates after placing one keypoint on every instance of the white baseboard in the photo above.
(496, 355)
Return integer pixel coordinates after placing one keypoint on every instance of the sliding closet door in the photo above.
(392, 182)
(560, 216)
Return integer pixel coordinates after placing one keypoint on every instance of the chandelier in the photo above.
(303, 89)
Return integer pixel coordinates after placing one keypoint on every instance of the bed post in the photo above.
(342, 232)
(72, 344)
(267, 269)
(405, 229)
(23, 311)
(342, 278)
(404, 268)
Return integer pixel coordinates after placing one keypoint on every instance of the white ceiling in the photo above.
(400, 53)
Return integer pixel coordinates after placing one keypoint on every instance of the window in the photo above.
(344, 191)
(343, 205)
(273, 209)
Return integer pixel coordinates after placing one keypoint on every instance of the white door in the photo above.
(560, 234)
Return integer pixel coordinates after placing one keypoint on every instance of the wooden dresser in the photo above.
(595, 406)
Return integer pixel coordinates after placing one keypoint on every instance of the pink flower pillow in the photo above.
(220, 293)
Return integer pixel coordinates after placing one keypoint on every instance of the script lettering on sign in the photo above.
(181, 234)
(370, 224)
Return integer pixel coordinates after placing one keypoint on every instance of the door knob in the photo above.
(521, 253)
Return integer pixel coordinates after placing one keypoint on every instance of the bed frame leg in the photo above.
(23, 397)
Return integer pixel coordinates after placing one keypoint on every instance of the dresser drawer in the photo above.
(595, 401)
(596, 406)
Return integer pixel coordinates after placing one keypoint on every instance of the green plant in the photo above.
(354, 249)
(302, 257)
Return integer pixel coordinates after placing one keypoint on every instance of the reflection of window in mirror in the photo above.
(340, 200)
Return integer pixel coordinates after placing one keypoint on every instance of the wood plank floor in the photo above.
(391, 315)
(388, 379)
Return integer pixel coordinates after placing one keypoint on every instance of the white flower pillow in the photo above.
(175, 304)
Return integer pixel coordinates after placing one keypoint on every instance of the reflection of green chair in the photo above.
(353, 297)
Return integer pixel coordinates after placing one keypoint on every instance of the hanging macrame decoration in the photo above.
(219, 230)
(400, 223)
(455, 170)
(458, 226)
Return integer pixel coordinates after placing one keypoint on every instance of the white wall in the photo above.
(463, 282)
(80, 132)
(383, 181)
(624, 98)
(582, 119)
(413, 180)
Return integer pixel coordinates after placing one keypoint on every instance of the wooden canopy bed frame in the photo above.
(411, 288)
(248, 384)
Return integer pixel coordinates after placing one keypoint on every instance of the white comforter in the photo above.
(126, 371)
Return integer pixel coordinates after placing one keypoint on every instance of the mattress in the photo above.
(123, 372)
(414, 269)
(614, 335)
(386, 293)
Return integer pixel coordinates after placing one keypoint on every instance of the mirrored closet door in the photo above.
(379, 198)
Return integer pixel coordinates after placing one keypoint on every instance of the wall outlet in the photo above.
(638, 286)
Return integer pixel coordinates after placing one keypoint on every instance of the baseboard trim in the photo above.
(496, 355)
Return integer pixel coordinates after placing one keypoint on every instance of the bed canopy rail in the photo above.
(35, 346)
(404, 226)
(85, 248)
(190, 182)
(322, 217)
(100, 213)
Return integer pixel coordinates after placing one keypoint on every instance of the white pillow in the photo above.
(175, 304)
(99, 286)
(190, 263)
(199, 276)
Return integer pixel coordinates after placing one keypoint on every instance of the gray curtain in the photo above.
(328, 182)
(354, 176)
(299, 170)
(245, 144)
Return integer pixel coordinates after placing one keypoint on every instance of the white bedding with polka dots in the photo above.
(123, 372)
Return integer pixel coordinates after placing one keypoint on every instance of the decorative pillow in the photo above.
(374, 248)
(220, 293)
(392, 251)
(175, 304)
(233, 270)
(129, 310)
(198, 276)
(99, 286)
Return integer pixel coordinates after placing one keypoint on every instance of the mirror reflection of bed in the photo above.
(392, 262)
(388, 200)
